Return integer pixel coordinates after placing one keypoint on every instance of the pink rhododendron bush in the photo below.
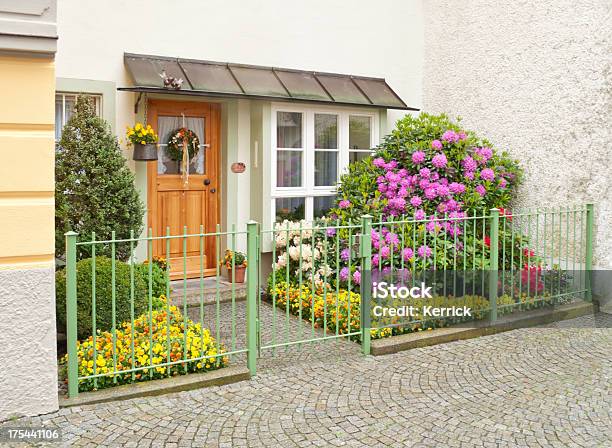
(429, 186)
(428, 166)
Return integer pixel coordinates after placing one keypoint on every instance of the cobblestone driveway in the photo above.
(528, 387)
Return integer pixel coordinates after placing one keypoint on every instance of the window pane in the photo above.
(326, 131)
(322, 204)
(59, 117)
(355, 156)
(290, 208)
(288, 130)
(359, 132)
(289, 168)
(326, 168)
(166, 127)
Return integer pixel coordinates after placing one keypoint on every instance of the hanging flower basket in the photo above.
(144, 153)
(144, 140)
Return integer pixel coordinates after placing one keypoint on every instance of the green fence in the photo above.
(318, 289)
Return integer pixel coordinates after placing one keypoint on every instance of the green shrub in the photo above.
(94, 188)
(158, 277)
(103, 295)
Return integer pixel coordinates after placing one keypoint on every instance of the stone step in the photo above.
(191, 294)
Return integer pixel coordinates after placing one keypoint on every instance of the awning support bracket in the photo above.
(137, 101)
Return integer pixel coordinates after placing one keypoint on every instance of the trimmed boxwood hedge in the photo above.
(103, 295)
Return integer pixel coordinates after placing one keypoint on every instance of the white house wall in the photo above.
(382, 39)
(534, 78)
(357, 38)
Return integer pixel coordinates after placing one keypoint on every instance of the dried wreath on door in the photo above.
(177, 142)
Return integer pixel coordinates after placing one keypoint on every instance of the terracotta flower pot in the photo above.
(145, 152)
(239, 273)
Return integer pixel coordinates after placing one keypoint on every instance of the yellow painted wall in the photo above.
(27, 86)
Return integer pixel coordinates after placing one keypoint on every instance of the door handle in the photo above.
(206, 181)
(213, 190)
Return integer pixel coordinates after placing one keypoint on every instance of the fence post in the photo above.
(71, 313)
(588, 262)
(252, 270)
(494, 262)
(365, 252)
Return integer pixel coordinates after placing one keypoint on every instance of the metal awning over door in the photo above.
(206, 78)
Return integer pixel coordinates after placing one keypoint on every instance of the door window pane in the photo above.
(292, 209)
(359, 132)
(326, 131)
(289, 168)
(355, 156)
(322, 204)
(288, 130)
(326, 168)
(166, 127)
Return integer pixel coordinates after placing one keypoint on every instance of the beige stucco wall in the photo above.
(533, 77)
(28, 382)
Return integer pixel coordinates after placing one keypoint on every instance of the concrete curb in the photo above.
(532, 318)
(179, 383)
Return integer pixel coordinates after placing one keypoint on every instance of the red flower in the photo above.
(487, 240)
(528, 252)
(506, 213)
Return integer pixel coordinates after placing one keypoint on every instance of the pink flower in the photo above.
(424, 251)
(357, 277)
(485, 153)
(344, 274)
(436, 144)
(424, 172)
(469, 175)
(450, 136)
(375, 259)
(378, 162)
(391, 165)
(407, 253)
(392, 238)
(502, 183)
(443, 190)
(481, 190)
(418, 157)
(385, 251)
(416, 201)
(430, 193)
(487, 174)
(457, 188)
(439, 161)
(344, 203)
(419, 214)
(462, 135)
(469, 164)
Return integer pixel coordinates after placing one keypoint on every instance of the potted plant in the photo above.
(144, 140)
(237, 262)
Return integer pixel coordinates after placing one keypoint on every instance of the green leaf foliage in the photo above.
(94, 188)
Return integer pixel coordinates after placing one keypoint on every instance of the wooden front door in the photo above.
(174, 204)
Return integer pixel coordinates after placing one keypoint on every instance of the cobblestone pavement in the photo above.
(530, 387)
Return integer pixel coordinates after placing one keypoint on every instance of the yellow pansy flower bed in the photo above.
(323, 309)
(158, 351)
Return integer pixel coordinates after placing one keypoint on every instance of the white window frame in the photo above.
(63, 94)
(308, 190)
